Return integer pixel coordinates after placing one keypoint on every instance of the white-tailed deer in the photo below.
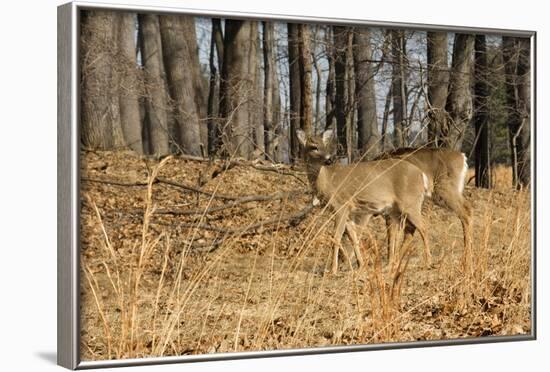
(446, 171)
(356, 192)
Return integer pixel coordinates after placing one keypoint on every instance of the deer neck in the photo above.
(313, 168)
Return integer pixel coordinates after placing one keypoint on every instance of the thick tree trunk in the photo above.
(340, 63)
(213, 133)
(156, 101)
(279, 145)
(294, 86)
(368, 136)
(236, 89)
(181, 76)
(438, 83)
(481, 115)
(199, 82)
(99, 97)
(318, 79)
(268, 87)
(331, 82)
(213, 108)
(385, 119)
(306, 101)
(459, 99)
(255, 103)
(129, 85)
(516, 57)
(399, 88)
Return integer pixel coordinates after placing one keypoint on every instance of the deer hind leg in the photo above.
(340, 222)
(414, 222)
(456, 202)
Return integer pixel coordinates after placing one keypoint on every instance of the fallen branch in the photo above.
(195, 189)
(115, 183)
(164, 181)
(236, 202)
(217, 169)
(267, 225)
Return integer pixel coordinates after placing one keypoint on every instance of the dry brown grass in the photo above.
(147, 292)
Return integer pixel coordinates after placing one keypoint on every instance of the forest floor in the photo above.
(160, 276)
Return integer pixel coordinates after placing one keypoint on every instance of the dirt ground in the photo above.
(155, 282)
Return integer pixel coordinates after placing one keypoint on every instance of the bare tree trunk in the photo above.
(340, 62)
(213, 130)
(129, 88)
(156, 101)
(99, 98)
(236, 89)
(385, 120)
(438, 83)
(255, 109)
(318, 75)
(481, 115)
(213, 115)
(368, 136)
(351, 132)
(331, 82)
(516, 57)
(279, 146)
(178, 61)
(194, 67)
(268, 87)
(399, 89)
(459, 99)
(294, 86)
(306, 101)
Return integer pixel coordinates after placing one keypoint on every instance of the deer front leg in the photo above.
(340, 222)
(392, 227)
(351, 230)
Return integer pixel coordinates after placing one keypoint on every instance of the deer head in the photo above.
(318, 149)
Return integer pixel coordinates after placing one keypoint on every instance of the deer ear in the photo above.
(301, 137)
(328, 136)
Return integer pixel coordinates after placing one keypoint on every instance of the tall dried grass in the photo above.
(155, 300)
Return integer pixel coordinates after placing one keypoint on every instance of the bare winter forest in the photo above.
(252, 185)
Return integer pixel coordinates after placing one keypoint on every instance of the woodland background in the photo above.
(166, 84)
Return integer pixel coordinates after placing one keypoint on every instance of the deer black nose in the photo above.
(328, 160)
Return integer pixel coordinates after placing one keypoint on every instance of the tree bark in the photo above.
(294, 87)
(368, 136)
(399, 88)
(481, 115)
(268, 86)
(516, 57)
(438, 83)
(156, 97)
(213, 132)
(99, 98)
(331, 78)
(199, 81)
(340, 62)
(130, 117)
(255, 103)
(181, 71)
(236, 89)
(306, 101)
(459, 99)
